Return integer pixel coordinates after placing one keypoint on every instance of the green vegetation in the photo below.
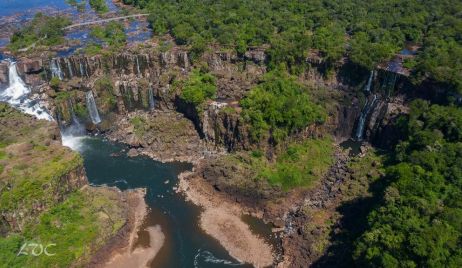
(112, 34)
(280, 106)
(93, 49)
(55, 83)
(368, 32)
(418, 221)
(79, 4)
(104, 88)
(140, 125)
(76, 226)
(46, 167)
(40, 189)
(198, 88)
(99, 6)
(300, 165)
(41, 31)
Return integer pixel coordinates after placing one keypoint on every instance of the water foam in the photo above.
(208, 257)
(17, 93)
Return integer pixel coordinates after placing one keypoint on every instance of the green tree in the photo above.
(281, 106)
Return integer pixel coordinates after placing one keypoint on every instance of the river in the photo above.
(106, 163)
(185, 245)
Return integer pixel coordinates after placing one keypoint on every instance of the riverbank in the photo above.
(120, 251)
(222, 220)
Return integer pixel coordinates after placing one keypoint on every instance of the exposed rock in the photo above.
(4, 72)
(256, 55)
(227, 175)
(381, 128)
(29, 66)
(132, 152)
(165, 136)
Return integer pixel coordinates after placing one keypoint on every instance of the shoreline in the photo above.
(221, 219)
(119, 251)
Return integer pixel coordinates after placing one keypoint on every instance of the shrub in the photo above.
(199, 87)
(42, 30)
(279, 106)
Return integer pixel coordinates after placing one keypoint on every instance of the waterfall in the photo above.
(86, 67)
(92, 110)
(138, 65)
(69, 66)
(76, 128)
(369, 82)
(362, 118)
(17, 93)
(151, 98)
(81, 68)
(73, 134)
(56, 69)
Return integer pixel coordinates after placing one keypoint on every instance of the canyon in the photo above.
(132, 98)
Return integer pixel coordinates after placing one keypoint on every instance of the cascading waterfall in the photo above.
(86, 68)
(369, 82)
(363, 116)
(81, 68)
(138, 65)
(151, 98)
(56, 69)
(92, 110)
(77, 127)
(17, 93)
(74, 133)
(69, 66)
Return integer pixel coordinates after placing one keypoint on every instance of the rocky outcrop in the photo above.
(146, 79)
(342, 122)
(235, 179)
(221, 124)
(162, 135)
(4, 73)
(382, 128)
(15, 220)
(29, 66)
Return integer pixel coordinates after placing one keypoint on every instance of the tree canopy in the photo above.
(369, 32)
(281, 106)
(42, 30)
(419, 222)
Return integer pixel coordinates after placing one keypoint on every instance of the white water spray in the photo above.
(151, 98)
(138, 65)
(17, 93)
(69, 66)
(207, 257)
(92, 110)
(56, 69)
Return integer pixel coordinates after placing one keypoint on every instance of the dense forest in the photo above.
(368, 32)
(418, 220)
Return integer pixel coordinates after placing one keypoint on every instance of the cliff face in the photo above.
(45, 197)
(31, 176)
(131, 81)
(144, 79)
(15, 219)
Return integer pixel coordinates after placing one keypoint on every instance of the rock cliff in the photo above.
(145, 79)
